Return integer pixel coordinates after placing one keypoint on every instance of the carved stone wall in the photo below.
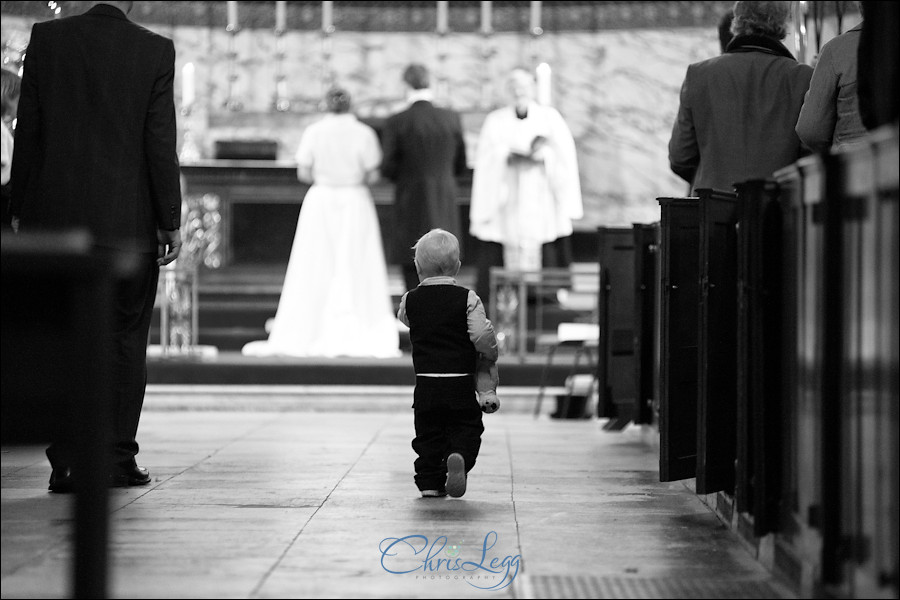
(617, 68)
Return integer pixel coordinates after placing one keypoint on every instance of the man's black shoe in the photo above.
(133, 475)
(61, 481)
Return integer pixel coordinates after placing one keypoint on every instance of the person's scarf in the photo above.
(758, 43)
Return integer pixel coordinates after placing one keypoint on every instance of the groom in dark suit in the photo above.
(95, 150)
(424, 152)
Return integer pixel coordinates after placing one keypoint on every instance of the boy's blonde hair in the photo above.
(437, 253)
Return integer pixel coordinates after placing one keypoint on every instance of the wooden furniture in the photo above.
(615, 367)
(679, 295)
(259, 202)
(717, 342)
(760, 408)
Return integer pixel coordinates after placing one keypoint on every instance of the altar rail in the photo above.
(259, 202)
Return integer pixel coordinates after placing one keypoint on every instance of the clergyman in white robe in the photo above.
(525, 189)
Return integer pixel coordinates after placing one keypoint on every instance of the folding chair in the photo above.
(584, 337)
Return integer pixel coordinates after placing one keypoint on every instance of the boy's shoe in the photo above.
(456, 475)
(433, 493)
(489, 401)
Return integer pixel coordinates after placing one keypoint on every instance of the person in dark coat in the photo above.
(830, 115)
(878, 84)
(424, 152)
(738, 110)
(95, 150)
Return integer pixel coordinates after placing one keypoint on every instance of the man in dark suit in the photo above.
(96, 150)
(424, 152)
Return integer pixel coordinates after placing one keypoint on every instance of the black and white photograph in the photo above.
(450, 299)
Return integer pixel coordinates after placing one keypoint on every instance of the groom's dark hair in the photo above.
(416, 76)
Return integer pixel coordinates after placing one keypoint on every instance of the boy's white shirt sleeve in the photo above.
(481, 330)
(7, 151)
(401, 313)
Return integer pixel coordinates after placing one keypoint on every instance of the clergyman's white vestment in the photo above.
(525, 204)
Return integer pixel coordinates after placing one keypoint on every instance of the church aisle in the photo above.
(322, 504)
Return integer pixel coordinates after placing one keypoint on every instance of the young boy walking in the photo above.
(454, 354)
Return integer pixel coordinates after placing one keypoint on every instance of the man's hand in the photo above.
(517, 158)
(169, 246)
(538, 143)
(14, 223)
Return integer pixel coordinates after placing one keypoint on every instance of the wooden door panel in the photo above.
(679, 291)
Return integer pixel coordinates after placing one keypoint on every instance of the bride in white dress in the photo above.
(335, 300)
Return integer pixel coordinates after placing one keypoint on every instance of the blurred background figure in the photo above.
(335, 300)
(830, 115)
(424, 153)
(525, 190)
(737, 111)
(879, 82)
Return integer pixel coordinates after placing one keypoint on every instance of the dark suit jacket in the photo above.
(423, 153)
(737, 115)
(878, 71)
(96, 136)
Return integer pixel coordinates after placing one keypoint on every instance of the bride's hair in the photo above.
(337, 100)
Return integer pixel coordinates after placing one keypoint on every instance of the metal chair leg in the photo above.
(546, 370)
(564, 409)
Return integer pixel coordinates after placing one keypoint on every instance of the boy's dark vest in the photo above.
(438, 329)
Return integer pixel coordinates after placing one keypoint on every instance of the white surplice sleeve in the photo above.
(562, 168)
(489, 189)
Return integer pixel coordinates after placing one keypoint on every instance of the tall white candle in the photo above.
(442, 16)
(188, 90)
(280, 15)
(543, 76)
(535, 15)
(232, 15)
(486, 17)
(327, 15)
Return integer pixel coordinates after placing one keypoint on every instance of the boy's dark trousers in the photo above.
(447, 420)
